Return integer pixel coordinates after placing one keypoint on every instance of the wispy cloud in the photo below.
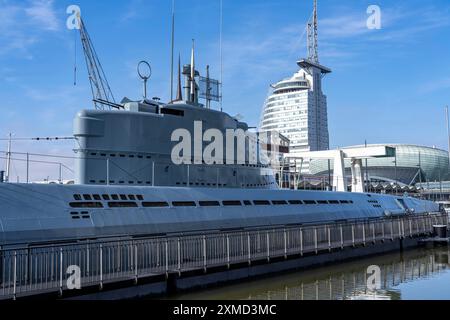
(7, 74)
(23, 24)
(256, 54)
(343, 26)
(408, 25)
(342, 37)
(396, 23)
(42, 13)
(67, 95)
(435, 85)
(133, 10)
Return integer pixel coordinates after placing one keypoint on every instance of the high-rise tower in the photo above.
(296, 106)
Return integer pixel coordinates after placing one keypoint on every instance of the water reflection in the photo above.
(400, 274)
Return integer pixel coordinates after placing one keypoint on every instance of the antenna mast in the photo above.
(208, 89)
(171, 53)
(313, 51)
(221, 54)
(101, 91)
(8, 158)
(193, 73)
(179, 93)
(448, 128)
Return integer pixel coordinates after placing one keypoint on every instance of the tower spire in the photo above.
(316, 45)
(313, 51)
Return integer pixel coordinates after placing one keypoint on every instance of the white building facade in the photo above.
(297, 109)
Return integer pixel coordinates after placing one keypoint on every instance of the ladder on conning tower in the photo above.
(102, 95)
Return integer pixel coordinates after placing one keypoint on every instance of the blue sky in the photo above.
(388, 85)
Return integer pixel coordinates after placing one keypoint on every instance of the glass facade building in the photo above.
(411, 165)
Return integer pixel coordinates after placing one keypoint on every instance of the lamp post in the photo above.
(420, 168)
(329, 175)
(395, 170)
(396, 177)
(366, 173)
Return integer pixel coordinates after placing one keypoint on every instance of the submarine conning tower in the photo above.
(134, 145)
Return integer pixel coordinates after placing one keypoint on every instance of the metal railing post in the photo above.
(158, 253)
(301, 241)
(15, 276)
(364, 234)
(166, 249)
(60, 271)
(353, 235)
(136, 263)
(403, 228)
(179, 255)
(329, 238)
(101, 266)
(51, 267)
(228, 251)
(268, 246)
(392, 230)
(342, 236)
(249, 249)
(87, 260)
(423, 224)
(315, 241)
(285, 243)
(204, 254)
(373, 233)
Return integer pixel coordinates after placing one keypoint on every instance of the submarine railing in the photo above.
(34, 270)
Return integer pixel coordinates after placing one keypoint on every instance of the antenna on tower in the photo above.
(313, 51)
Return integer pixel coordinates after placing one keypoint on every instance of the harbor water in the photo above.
(414, 274)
